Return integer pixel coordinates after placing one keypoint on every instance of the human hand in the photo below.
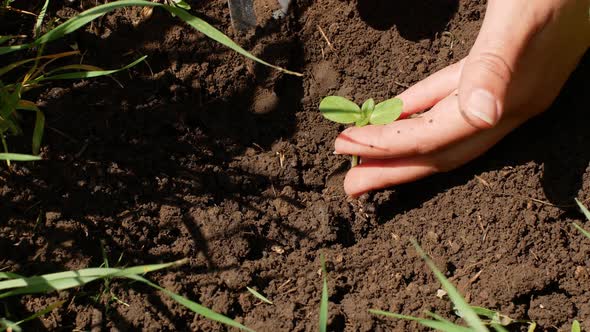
(522, 57)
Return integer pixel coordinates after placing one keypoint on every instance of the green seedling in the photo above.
(341, 110)
(258, 295)
(586, 213)
(323, 323)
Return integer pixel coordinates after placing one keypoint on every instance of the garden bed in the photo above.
(204, 155)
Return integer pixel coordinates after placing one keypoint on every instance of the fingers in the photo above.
(374, 174)
(507, 29)
(431, 90)
(435, 129)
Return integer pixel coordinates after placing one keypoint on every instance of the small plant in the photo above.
(341, 110)
(477, 318)
(586, 213)
(323, 323)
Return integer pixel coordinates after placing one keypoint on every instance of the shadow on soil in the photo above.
(154, 142)
(414, 20)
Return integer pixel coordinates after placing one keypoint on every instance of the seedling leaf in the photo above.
(582, 230)
(576, 326)
(386, 112)
(258, 295)
(340, 109)
(532, 327)
(324, 300)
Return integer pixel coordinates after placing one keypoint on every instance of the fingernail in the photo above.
(335, 153)
(482, 105)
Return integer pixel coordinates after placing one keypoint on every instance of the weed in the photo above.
(18, 285)
(477, 318)
(11, 94)
(258, 295)
(587, 215)
(341, 110)
(324, 301)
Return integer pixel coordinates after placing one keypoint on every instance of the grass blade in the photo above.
(587, 215)
(582, 230)
(465, 309)
(9, 275)
(17, 64)
(18, 157)
(43, 312)
(193, 306)
(499, 327)
(324, 300)
(39, 123)
(584, 209)
(218, 36)
(5, 324)
(40, 18)
(4, 39)
(88, 74)
(441, 325)
(89, 15)
(38, 132)
(70, 279)
(258, 295)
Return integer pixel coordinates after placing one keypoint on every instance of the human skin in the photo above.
(522, 57)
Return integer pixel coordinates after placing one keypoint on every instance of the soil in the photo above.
(203, 155)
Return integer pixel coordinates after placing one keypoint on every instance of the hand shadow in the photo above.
(415, 20)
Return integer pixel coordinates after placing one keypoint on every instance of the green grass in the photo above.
(464, 310)
(258, 295)
(586, 213)
(478, 319)
(323, 322)
(11, 93)
(14, 285)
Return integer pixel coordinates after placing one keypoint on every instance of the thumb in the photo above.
(507, 28)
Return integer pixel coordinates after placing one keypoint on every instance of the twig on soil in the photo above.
(326, 39)
(285, 284)
(290, 291)
(475, 277)
(258, 146)
(403, 85)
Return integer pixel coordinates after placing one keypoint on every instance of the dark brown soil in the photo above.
(204, 155)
